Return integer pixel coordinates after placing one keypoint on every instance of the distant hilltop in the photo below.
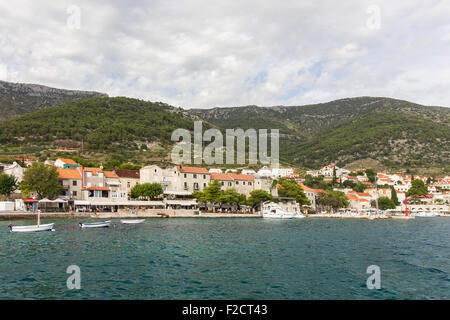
(21, 98)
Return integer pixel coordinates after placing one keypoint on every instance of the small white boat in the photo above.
(132, 221)
(272, 210)
(299, 216)
(103, 224)
(32, 228)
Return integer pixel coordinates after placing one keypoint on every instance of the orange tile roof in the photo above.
(239, 176)
(94, 171)
(367, 183)
(186, 169)
(352, 197)
(68, 174)
(221, 177)
(363, 194)
(68, 161)
(110, 175)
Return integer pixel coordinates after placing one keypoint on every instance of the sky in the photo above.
(204, 54)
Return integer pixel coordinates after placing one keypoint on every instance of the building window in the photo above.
(230, 184)
(249, 183)
(195, 185)
(74, 183)
(243, 182)
(204, 176)
(185, 185)
(237, 182)
(185, 175)
(128, 184)
(204, 185)
(195, 176)
(223, 183)
(74, 193)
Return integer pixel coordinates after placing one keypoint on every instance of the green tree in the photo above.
(257, 197)
(146, 190)
(385, 203)
(291, 189)
(394, 197)
(334, 199)
(8, 184)
(418, 188)
(41, 179)
(230, 196)
(371, 175)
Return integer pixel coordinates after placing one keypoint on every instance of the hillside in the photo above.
(393, 133)
(97, 125)
(20, 98)
(396, 133)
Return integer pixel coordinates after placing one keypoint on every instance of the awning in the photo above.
(45, 200)
(30, 200)
(178, 193)
(81, 203)
(182, 202)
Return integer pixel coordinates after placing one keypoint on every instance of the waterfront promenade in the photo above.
(5, 216)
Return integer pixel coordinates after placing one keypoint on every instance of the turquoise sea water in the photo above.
(230, 259)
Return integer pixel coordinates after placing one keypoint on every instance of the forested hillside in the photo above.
(21, 98)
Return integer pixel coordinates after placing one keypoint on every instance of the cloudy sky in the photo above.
(204, 54)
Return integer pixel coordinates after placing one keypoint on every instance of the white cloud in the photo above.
(201, 53)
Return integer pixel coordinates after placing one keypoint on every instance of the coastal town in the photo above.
(87, 190)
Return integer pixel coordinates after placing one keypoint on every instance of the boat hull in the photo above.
(132, 221)
(33, 228)
(104, 224)
(276, 216)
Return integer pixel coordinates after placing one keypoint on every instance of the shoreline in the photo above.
(6, 216)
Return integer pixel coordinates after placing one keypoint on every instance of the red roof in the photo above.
(186, 169)
(68, 161)
(110, 175)
(239, 176)
(221, 177)
(125, 173)
(68, 174)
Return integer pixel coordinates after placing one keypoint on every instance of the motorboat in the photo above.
(299, 216)
(424, 214)
(103, 224)
(273, 210)
(132, 221)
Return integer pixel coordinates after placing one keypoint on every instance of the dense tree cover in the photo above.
(104, 124)
(397, 133)
(42, 180)
(146, 191)
(257, 197)
(411, 140)
(418, 188)
(384, 203)
(213, 194)
(8, 184)
(291, 189)
(332, 199)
